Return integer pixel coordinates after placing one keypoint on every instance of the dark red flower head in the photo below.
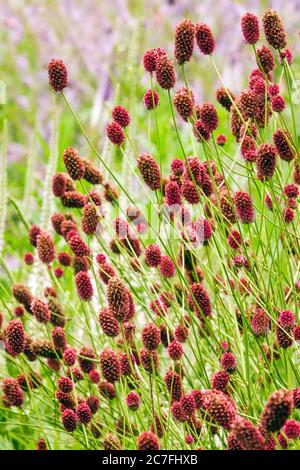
(220, 407)
(265, 161)
(133, 401)
(205, 38)
(148, 441)
(73, 163)
(175, 350)
(118, 298)
(57, 74)
(228, 361)
(225, 97)
(220, 380)
(59, 338)
(247, 435)
(184, 103)
(209, 117)
(284, 147)
(151, 99)
(149, 360)
(265, 59)
(151, 336)
(250, 28)
(90, 219)
(45, 247)
(15, 337)
(84, 285)
(274, 29)
(109, 323)
(199, 301)
(244, 207)
(115, 133)
(201, 132)
(149, 60)
(167, 267)
(165, 73)
(84, 413)
(69, 420)
(153, 255)
(65, 384)
(150, 171)
(40, 310)
(12, 392)
(121, 116)
(278, 104)
(110, 365)
(184, 41)
(277, 410)
(59, 184)
(260, 322)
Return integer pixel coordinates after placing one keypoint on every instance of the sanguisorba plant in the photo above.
(181, 330)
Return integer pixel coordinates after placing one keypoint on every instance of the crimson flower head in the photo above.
(121, 116)
(57, 74)
(228, 361)
(220, 380)
(118, 298)
(220, 407)
(247, 435)
(84, 413)
(110, 365)
(167, 267)
(278, 104)
(15, 337)
(153, 255)
(148, 441)
(184, 103)
(244, 207)
(184, 41)
(250, 28)
(265, 59)
(277, 410)
(199, 301)
(84, 285)
(69, 420)
(149, 170)
(175, 350)
(149, 60)
(274, 29)
(73, 163)
(284, 147)
(209, 116)
(40, 310)
(45, 247)
(12, 392)
(165, 73)
(151, 336)
(265, 161)
(225, 97)
(59, 184)
(151, 99)
(115, 133)
(90, 218)
(133, 401)
(205, 39)
(109, 323)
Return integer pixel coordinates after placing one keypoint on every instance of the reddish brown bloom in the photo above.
(184, 103)
(296, 397)
(84, 285)
(204, 38)
(190, 192)
(133, 401)
(220, 380)
(57, 74)
(149, 60)
(228, 361)
(64, 258)
(87, 359)
(12, 392)
(45, 247)
(181, 333)
(73, 163)
(278, 103)
(199, 301)
(115, 133)
(59, 338)
(94, 376)
(234, 239)
(65, 384)
(77, 245)
(167, 267)
(90, 219)
(274, 29)
(15, 337)
(73, 199)
(175, 350)
(235, 120)
(209, 117)
(40, 310)
(247, 104)
(248, 437)
(291, 429)
(165, 73)
(282, 142)
(107, 390)
(265, 59)
(225, 97)
(148, 441)
(149, 170)
(153, 255)
(250, 28)
(84, 413)
(201, 132)
(244, 207)
(34, 231)
(110, 365)
(291, 190)
(184, 41)
(151, 99)
(178, 413)
(111, 442)
(18, 312)
(221, 139)
(91, 173)
(108, 323)
(121, 116)
(69, 420)
(118, 298)
(188, 405)
(59, 184)
(277, 410)
(220, 407)
(265, 161)
(151, 336)
(149, 360)
(260, 322)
